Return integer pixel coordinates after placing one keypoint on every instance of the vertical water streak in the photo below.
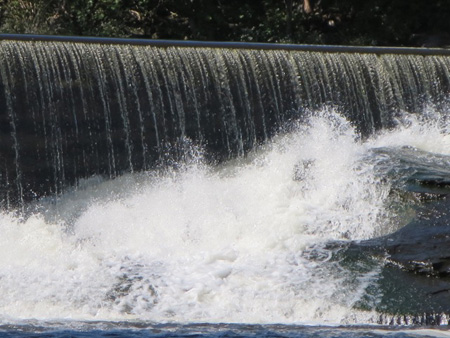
(355, 67)
(68, 112)
(85, 136)
(195, 84)
(380, 94)
(254, 91)
(9, 97)
(57, 112)
(144, 62)
(119, 69)
(238, 96)
(133, 82)
(272, 86)
(223, 75)
(177, 85)
(99, 55)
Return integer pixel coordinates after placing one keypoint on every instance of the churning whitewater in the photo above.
(237, 242)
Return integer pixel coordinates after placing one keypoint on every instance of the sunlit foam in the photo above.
(428, 131)
(210, 244)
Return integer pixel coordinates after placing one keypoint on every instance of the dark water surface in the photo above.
(213, 330)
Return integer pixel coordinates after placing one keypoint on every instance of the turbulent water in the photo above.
(239, 242)
(180, 191)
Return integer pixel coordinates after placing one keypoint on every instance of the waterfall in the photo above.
(71, 110)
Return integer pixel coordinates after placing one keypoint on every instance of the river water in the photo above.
(230, 249)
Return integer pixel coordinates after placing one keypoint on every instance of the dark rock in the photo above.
(423, 246)
(414, 282)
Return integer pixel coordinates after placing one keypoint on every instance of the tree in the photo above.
(21, 16)
(355, 22)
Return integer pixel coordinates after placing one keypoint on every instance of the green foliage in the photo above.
(369, 22)
(27, 16)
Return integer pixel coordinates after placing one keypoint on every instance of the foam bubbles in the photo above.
(209, 244)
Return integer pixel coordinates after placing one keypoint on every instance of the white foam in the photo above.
(207, 244)
(428, 131)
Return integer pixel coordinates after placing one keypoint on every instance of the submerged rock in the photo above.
(414, 282)
(422, 246)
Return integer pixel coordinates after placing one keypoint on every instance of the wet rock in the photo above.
(414, 281)
(423, 246)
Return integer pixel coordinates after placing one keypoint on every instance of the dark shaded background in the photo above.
(346, 22)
